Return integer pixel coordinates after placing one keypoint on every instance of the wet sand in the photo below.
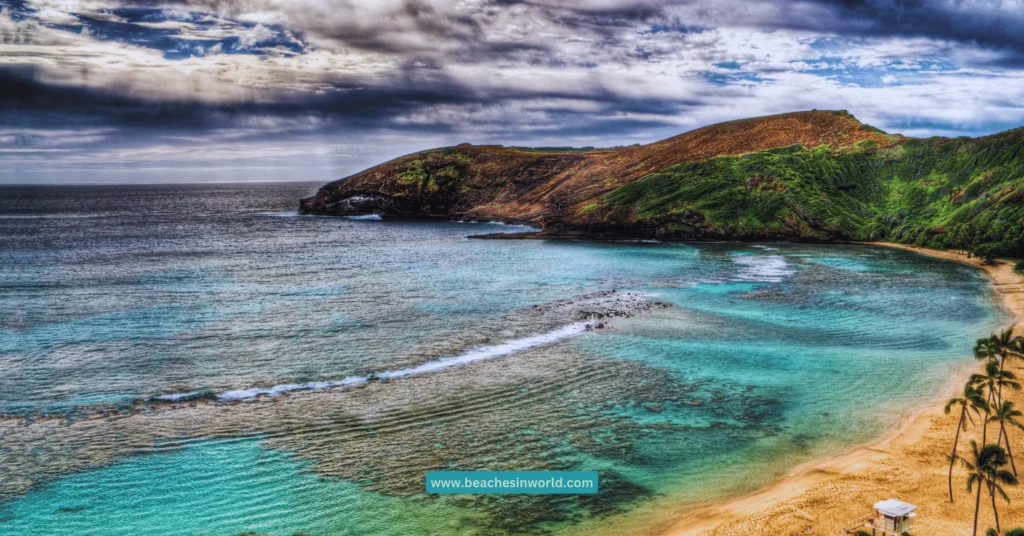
(909, 464)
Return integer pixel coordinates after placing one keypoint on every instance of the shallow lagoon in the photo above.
(771, 354)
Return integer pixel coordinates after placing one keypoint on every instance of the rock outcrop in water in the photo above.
(818, 175)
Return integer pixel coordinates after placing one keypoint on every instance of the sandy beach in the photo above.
(908, 464)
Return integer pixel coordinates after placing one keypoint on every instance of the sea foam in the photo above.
(762, 268)
(476, 354)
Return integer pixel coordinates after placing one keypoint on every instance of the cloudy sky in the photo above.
(216, 90)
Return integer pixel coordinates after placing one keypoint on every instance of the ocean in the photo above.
(201, 360)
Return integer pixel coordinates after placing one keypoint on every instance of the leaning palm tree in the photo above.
(986, 470)
(974, 400)
(993, 381)
(1006, 414)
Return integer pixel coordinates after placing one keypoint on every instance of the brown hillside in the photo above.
(491, 182)
(811, 129)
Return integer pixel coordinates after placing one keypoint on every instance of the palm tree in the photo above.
(995, 346)
(1000, 347)
(1007, 414)
(972, 399)
(993, 381)
(986, 470)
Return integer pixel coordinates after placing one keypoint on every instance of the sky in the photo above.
(126, 91)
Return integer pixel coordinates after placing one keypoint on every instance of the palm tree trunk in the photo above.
(952, 457)
(977, 506)
(1001, 363)
(992, 492)
(999, 396)
(1003, 434)
(984, 424)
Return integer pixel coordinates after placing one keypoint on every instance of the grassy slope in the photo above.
(938, 193)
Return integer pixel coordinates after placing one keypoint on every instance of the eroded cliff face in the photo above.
(816, 175)
(466, 181)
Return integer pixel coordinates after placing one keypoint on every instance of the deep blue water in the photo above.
(771, 354)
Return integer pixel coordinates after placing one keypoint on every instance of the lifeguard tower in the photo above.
(891, 517)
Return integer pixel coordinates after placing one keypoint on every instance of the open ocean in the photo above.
(200, 360)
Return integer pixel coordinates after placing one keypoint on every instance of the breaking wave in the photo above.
(476, 354)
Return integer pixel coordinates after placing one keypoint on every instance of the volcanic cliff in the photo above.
(818, 175)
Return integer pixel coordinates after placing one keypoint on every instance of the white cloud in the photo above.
(55, 16)
(252, 36)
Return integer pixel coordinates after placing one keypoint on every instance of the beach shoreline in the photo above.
(823, 494)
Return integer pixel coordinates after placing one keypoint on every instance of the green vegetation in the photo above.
(986, 252)
(941, 193)
(1019, 267)
(416, 172)
(439, 170)
(986, 465)
(448, 171)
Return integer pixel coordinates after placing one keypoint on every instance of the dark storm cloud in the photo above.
(983, 23)
(27, 102)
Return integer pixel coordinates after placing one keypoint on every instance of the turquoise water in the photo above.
(321, 366)
(209, 489)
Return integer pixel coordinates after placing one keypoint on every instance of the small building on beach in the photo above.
(891, 517)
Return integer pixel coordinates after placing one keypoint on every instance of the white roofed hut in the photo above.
(891, 517)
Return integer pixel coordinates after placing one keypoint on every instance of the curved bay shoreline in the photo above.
(907, 464)
(819, 493)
